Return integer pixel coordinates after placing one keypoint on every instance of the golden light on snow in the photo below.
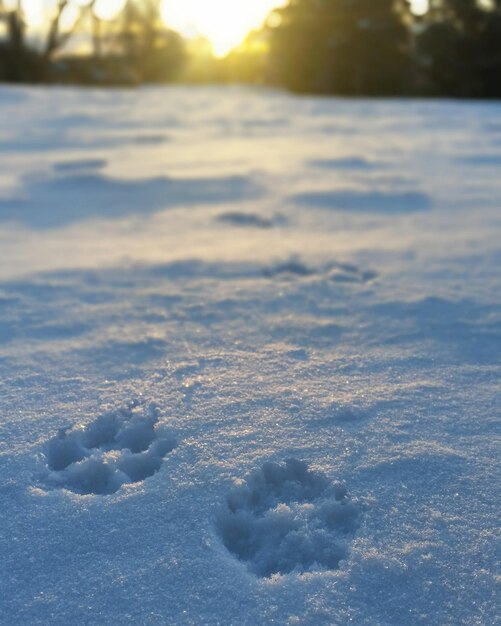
(225, 23)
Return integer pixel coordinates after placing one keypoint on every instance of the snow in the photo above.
(249, 358)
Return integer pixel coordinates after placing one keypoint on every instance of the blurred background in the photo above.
(348, 47)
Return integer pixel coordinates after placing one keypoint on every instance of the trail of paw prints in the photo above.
(120, 447)
(287, 518)
(335, 272)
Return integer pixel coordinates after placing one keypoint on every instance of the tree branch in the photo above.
(53, 35)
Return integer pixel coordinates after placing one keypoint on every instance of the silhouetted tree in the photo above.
(340, 46)
(247, 62)
(459, 49)
(20, 61)
(57, 38)
(153, 51)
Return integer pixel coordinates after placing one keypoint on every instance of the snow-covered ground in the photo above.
(249, 357)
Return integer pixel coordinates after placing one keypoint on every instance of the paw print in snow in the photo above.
(120, 447)
(287, 518)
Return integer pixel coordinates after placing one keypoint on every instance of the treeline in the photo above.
(133, 48)
(379, 47)
(348, 47)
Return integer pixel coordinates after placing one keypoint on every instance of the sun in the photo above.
(225, 23)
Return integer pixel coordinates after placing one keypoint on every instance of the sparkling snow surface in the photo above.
(250, 359)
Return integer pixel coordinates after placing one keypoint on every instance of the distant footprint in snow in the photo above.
(289, 269)
(335, 272)
(250, 220)
(119, 447)
(348, 273)
(80, 165)
(345, 163)
(287, 518)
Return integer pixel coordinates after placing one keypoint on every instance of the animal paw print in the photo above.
(287, 518)
(336, 272)
(120, 447)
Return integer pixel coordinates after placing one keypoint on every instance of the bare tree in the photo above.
(56, 39)
(15, 24)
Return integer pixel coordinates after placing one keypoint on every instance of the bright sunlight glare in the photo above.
(420, 7)
(225, 23)
(107, 9)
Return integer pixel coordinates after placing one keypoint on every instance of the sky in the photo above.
(225, 23)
